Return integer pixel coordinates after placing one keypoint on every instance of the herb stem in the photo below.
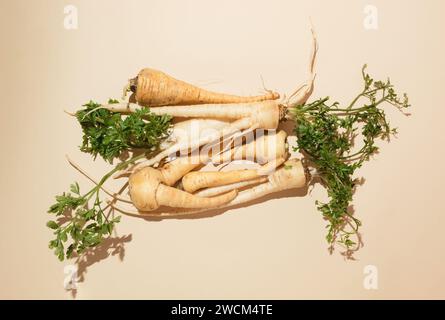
(117, 168)
(355, 100)
(354, 154)
(326, 136)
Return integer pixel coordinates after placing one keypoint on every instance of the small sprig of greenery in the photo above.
(81, 219)
(108, 133)
(326, 137)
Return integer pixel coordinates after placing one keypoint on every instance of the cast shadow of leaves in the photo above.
(112, 246)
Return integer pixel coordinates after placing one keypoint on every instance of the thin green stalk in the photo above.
(83, 227)
(326, 135)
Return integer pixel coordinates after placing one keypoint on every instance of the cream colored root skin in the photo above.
(172, 197)
(148, 192)
(197, 180)
(182, 135)
(155, 88)
(232, 128)
(262, 149)
(176, 169)
(265, 113)
(210, 192)
(291, 175)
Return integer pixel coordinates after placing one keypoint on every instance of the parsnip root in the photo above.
(263, 149)
(210, 192)
(289, 176)
(197, 180)
(148, 192)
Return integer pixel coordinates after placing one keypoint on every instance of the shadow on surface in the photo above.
(112, 246)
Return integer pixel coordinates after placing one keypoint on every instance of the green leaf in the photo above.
(52, 244)
(104, 228)
(65, 202)
(99, 219)
(63, 236)
(52, 225)
(83, 224)
(108, 134)
(70, 251)
(74, 188)
(89, 214)
(117, 219)
(111, 101)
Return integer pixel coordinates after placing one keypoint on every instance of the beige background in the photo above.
(274, 249)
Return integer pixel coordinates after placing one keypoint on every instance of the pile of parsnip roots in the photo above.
(180, 148)
(211, 128)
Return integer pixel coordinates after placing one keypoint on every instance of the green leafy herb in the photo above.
(80, 226)
(80, 218)
(326, 136)
(108, 133)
